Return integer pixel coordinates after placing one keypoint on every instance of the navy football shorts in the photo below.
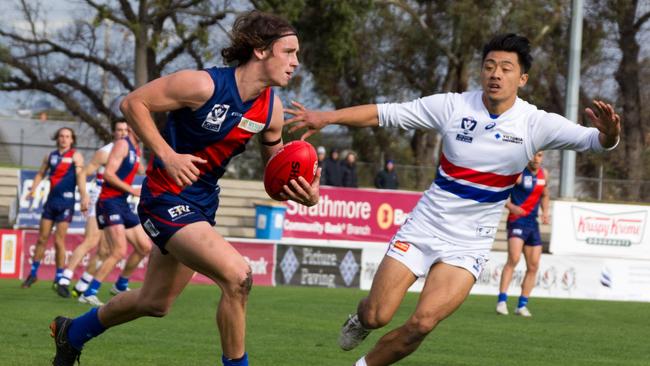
(528, 233)
(164, 215)
(58, 211)
(115, 211)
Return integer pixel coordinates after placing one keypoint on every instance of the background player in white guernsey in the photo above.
(488, 138)
(529, 193)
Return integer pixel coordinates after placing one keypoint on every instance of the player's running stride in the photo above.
(212, 115)
(488, 138)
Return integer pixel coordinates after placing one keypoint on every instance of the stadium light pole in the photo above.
(567, 182)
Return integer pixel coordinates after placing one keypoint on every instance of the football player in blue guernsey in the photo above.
(529, 192)
(212, 114)
(65, 166)
(115, 218)
(488, 137)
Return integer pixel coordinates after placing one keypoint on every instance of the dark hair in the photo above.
(56, 135)
(114, 124)
(254, 30)
(511, 43)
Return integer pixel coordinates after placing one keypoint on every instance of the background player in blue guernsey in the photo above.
(488, 137)
(530, 191)
(65, 166)
(212, 114)
(114, 215)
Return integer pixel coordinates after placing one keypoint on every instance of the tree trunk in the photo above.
(627, 76)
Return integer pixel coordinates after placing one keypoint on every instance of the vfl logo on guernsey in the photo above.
(216, 117)
(468, 124)
(250, 125)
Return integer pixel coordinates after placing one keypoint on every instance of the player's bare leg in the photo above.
(59, 243)
(116, 237)
(201, 248)
(515, 246)
(444, 291)
(142, 245)
(44, 230)
(532, 255)
(90, 242)
(389, 286)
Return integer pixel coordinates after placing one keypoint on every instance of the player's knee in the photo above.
(373, 316)
(156, 309)
(118, 252)
(532, 267)
(512, 261)
(145, 247)
(240, 283)
(419, 325)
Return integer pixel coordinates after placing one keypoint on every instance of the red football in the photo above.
(297, 158)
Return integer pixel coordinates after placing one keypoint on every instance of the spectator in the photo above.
(387, 178)
(349, 170)
(321, 159)
(332, 169)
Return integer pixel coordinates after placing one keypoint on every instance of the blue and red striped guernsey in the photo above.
(473, 184)
(126, 172)
(63, 177)
(216, 132)
(526, 194)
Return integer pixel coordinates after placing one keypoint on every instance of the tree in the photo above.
(78, 65)
(628, 76)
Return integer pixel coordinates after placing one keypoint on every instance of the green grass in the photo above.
(299, 326)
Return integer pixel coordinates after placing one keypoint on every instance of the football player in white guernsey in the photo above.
(488, 138)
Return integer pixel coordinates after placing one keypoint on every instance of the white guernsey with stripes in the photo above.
(481, 159)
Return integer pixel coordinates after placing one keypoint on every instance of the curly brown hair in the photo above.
(56, 135)
(254, 30)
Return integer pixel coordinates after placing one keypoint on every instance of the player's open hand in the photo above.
(182, 168)
(313, 121)
(299, 190)
(606, 120)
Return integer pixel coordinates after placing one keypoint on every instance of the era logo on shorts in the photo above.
(215, 117)
(401, 245)
(151, 228)
(179, 211)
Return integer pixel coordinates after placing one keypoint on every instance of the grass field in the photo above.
(299, 326)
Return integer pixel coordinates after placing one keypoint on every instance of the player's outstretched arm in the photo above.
(182, 89)
(359, 116)
(607, 121)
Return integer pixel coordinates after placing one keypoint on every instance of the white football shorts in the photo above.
(93, 196)
(419, 250)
